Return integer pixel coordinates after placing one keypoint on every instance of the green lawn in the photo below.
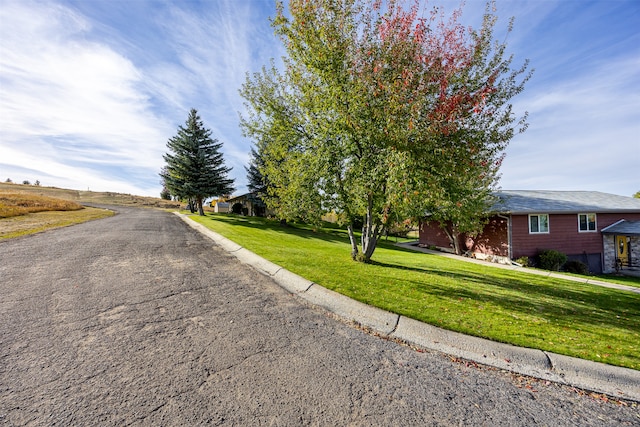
(560, 316)
(619, 279)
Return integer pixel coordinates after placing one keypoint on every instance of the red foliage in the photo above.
(441, 50)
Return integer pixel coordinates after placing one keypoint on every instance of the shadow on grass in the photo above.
(562, 305)
(621, 279)
(294, 229)
(571, 305)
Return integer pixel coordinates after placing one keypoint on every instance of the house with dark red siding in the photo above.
(599, 229)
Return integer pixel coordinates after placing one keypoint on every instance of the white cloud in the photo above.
(44, 168)
(213, 50)
(70, 99)
(89, 100)
(584, 133)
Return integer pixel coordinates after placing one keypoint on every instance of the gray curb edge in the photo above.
(617, 382)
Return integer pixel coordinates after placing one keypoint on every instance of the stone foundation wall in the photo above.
(634, 252)
(609, 247)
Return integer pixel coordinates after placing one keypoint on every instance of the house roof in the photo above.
(542, 201)
(251, 197)
(623, 227)
(241, 197)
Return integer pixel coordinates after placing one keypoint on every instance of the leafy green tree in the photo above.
(291, 187)
(195, 168)
(380, 114)
(637, 195)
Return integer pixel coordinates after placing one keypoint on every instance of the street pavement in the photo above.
(138, 319)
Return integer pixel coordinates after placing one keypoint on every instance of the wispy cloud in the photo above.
(103, 96)
(215, 50)
(585, 129)
(90, 91)
(75, 100)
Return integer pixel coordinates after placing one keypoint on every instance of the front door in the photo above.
(622, 250)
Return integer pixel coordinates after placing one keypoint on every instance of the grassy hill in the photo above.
(107, 198)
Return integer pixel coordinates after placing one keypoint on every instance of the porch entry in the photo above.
(622, 250)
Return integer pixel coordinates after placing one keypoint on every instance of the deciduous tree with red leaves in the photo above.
(383, 113)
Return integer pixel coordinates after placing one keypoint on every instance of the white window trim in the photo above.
(587, 215)
(538, 215)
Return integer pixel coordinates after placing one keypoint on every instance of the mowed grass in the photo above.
(561, 316)
(25, 213)
(616, 278)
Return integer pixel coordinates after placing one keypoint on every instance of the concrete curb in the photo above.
(366, 315)
(520, 360)
(599, 377)
(622, 383)
(257, 262)
(292, 282)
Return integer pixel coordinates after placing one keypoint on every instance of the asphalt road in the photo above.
(139, 320)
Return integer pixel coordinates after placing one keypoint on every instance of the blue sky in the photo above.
(91, 90)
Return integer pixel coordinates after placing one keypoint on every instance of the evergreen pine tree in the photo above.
(257, 183)
(195, 167)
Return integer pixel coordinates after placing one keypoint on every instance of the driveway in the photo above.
(139, 320)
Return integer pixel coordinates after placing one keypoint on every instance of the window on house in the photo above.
(539, 223)
(587, 222)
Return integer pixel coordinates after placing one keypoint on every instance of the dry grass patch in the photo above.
(41, 221)
(24, 213)
(15, 203)
(106, 198)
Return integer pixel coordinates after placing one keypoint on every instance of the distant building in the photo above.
(248, 204)
(220, 207)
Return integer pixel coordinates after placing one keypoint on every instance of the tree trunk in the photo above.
(200, 208)
(354, 243)
(454, 238)
(456, 244)
(370, 242)
(371, 232)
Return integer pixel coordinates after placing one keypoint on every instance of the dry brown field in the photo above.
(27, 209)
(107, 198)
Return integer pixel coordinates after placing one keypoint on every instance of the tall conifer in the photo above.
(195, 167)
(256, 181)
